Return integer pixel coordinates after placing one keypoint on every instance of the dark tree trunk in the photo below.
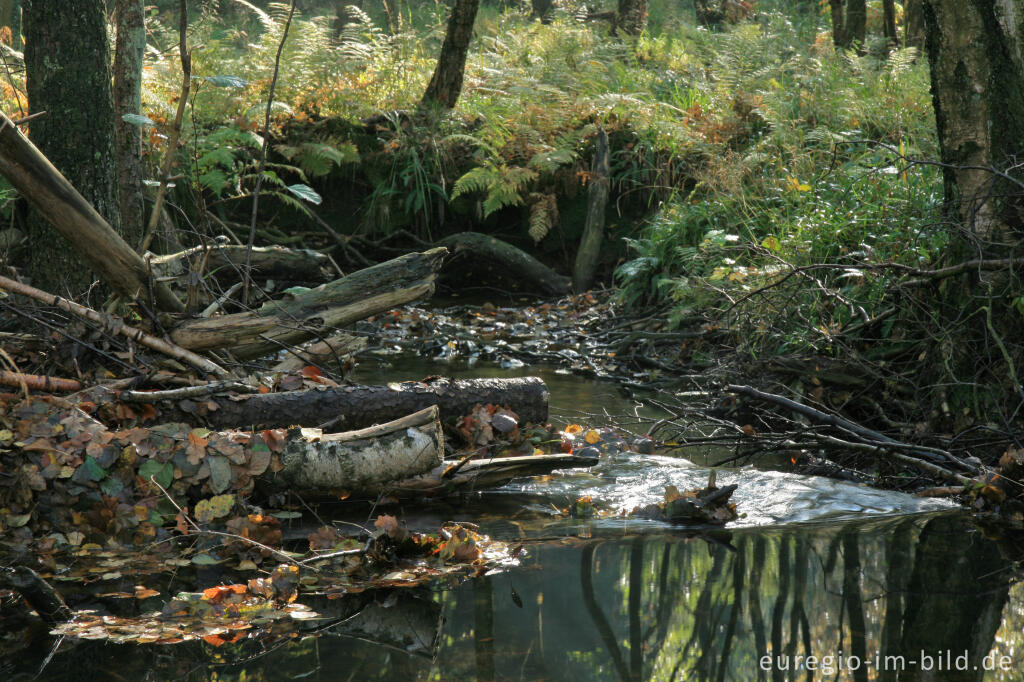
(356, 407)
(855, 26)
(541, 9)
(341, 18)
(631, 17)
(978, 94)
(913, 24)
(837, 8)
(446, 84)
(68, 76)
(889, 24)
(131, 46)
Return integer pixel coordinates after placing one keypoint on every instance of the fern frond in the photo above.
(543, 215)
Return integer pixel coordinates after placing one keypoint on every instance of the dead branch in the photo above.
(117, 325)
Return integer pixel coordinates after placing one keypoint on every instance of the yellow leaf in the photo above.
(592, 436)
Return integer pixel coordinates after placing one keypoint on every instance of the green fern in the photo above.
(543, 215)
(504, 185)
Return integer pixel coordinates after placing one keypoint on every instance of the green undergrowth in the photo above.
(783, 233)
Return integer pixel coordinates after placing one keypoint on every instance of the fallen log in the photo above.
(39, 594)
(101, 248)
(364, 462)
(307, 315)
(360, 406)
(331, 352)
(512, 260)
(226, 261)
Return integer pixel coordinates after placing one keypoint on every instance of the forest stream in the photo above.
(846, 573)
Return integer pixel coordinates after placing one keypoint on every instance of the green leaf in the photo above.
(161, 472)
(93, 471)
(111, 486)
(306, 193)
(214, 508)
(138, 120)
(220, 473)
(226, 81)
(206, 560)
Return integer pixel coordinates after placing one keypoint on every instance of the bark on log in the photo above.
(362, 463)
(291, 321)
(484, 473)
(593, 230)
(362, 406)
(225, 263)
(49, 193)
(39, 594)
(513, 260)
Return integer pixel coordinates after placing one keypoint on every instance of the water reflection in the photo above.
(914, 598)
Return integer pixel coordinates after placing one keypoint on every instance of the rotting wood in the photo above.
(329, 352)
(304, 316)
(36, 382)
(597, 203)
(361, 463)
(513, 261)
(225, 262)
(484, 473)
(100, 247)
(360, 406)
(116, 325)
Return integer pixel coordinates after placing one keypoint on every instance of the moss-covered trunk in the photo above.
(446, 84)
(976, 51)
(855, 29)
(68, 77)
(913, 24)
(131, 46)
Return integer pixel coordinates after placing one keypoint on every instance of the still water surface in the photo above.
(822, 576)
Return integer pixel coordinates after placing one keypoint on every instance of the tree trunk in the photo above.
(361, 406)
(837, 9)
(68, 76)
(130, 48)
(10, 16)
(913, 24)
(631, 17)
(225, 262)
(593, 230)
(889, 24)
(977, 72)
(855, 26)
(102, 249)
(446, 84)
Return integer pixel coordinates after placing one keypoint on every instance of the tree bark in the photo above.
(68, 76)
(977, 72)
(889, 24)
(631, 16)
(130, 48)
(304, 316)
(913, 24)
(597, 204)
(364, 462)
(225, 263)
(855, 25)
(837, 9)
(512, 260)
(89, 235)
(361, 406)
(446, 84)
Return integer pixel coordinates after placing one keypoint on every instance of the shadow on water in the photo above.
(915, 597)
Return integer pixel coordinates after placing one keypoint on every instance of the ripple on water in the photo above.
(628, 480)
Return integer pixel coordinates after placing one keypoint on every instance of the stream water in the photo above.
(828, 579)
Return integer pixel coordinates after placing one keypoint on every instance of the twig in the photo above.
(117, 325)
(263, 158)
(186, 392)
(218, 533)
(179, 116)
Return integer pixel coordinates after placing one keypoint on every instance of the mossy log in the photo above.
(317, 312)
(353, 407)
(514, 261)
(226, 261)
